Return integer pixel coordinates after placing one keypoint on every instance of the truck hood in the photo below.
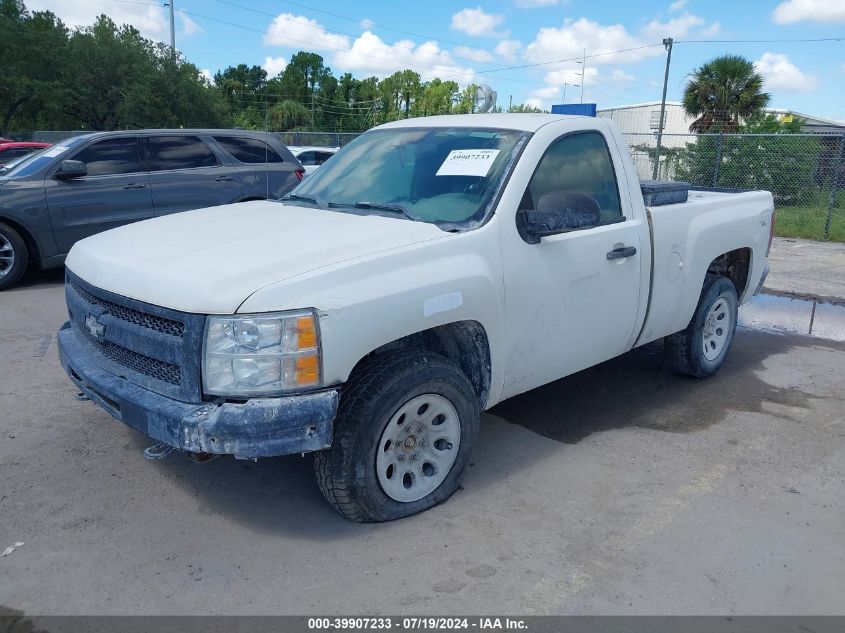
(210, 260)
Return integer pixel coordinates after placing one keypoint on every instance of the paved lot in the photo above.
(807, 268)
(623, 489)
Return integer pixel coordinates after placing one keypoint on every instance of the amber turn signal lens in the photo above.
(306, 332)
(307, 370)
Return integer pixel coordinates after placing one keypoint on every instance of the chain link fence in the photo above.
(318, 139)
(804, 172)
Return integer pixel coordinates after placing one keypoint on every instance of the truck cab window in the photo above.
(577, 163)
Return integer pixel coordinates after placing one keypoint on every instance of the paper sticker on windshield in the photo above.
(468, 162)
(55, 151)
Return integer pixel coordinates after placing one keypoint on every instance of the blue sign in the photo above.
(581, 109)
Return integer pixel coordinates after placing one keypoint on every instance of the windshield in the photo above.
(32, 163)
(438, 175)
(14, 163)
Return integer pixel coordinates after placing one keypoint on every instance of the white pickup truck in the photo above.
(431, 269)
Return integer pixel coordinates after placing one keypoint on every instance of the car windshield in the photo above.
(5, 169)
(32, 163)
(446, 176)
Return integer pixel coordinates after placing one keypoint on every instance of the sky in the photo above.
(525, 50)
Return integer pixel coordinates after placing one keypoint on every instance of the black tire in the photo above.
(12, 242)
(346, 473)
(685, 349)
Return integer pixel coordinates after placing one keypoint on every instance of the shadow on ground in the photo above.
(637, 389)
(40, 278)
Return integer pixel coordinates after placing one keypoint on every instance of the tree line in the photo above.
(107, 76)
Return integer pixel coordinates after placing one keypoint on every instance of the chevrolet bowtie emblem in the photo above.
(96, 328)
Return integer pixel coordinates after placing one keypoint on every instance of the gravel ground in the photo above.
(621, 490)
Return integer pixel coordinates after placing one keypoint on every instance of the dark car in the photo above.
(10, 150)
(91, 183)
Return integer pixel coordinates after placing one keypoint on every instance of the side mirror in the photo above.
(558, 212)
(71, 169)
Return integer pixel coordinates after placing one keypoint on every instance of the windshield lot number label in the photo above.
(468, 162)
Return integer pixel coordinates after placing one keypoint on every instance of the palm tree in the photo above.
(722, 93)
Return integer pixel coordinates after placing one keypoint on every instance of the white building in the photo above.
(643, 118)
(639, 123)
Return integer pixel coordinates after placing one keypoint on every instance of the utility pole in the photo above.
(510, 103)
(667, 42)
(583, 74)
(172, 32)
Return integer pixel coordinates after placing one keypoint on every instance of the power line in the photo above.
(778, 41)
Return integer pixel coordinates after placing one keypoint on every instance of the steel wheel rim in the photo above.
(418, 447)
(718, 325)
(7, 256)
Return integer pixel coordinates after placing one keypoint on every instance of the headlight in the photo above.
(263, 354)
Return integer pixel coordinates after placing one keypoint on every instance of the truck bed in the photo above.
(686, 237)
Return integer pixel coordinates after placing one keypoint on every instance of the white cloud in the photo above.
(677, 6)
(370, 54)
(571, 39)
(619, 76)
(151, 21)
(532, 4)
(508, 49)
(537, 103)
(793, 11)
(572, 76)
(549, 92)
(367, 24)
(781, 74)
(274, 65)
(475, 54)
(297, 31)
(477, 22)
(678, 27)
(205, 73)
(189, 27)
(574, 36)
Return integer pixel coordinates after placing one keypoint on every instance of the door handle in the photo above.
(622, 252)
(224, 179)
(135, 185)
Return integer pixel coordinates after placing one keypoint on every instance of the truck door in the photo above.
(115, 191)
(572, 301)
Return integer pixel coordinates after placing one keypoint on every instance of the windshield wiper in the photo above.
(395, 207)
(312, 199)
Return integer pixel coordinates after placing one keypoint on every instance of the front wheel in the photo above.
(702, 347)
(403, 435)
(13, 256)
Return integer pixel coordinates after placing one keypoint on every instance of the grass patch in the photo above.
(808, 221)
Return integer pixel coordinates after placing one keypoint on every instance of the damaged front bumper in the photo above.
(259, 427)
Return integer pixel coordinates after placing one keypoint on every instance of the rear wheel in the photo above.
(702, 347)
(14, 256)
(402, 438)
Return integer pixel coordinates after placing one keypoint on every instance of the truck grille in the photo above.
(150, 321)
(166, 372)
(156, 348)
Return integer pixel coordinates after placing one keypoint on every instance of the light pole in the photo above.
(583, 74)
(565, 84)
